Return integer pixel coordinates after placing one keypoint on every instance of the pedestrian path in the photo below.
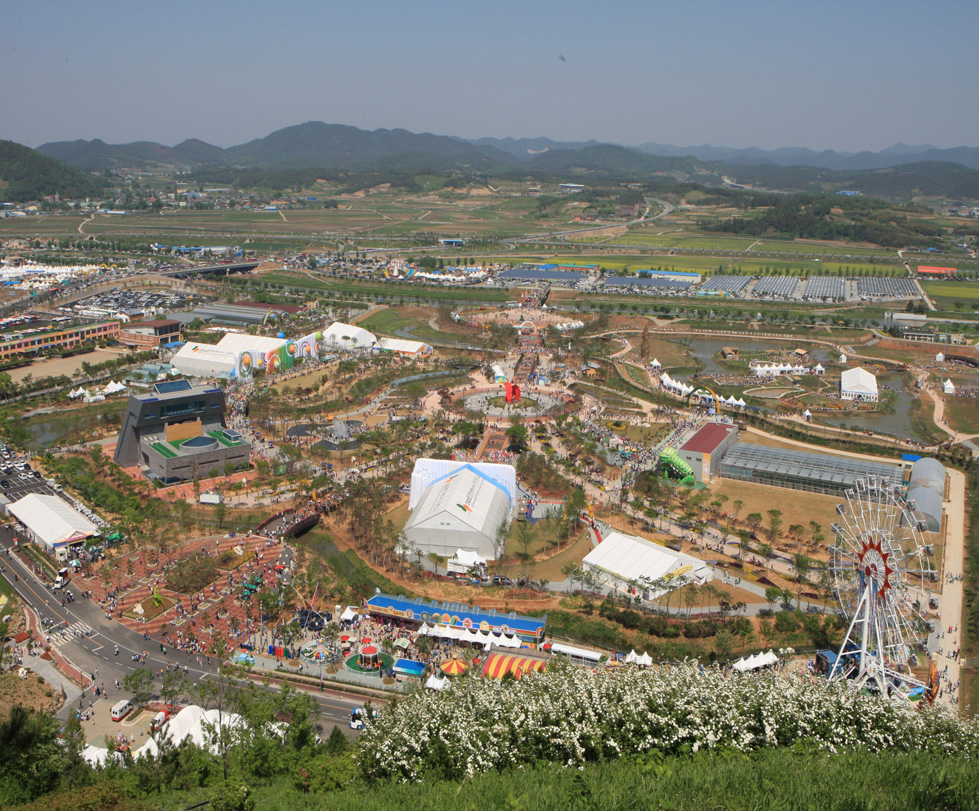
(76, 629)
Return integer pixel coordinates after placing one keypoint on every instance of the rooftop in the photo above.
(708, 438)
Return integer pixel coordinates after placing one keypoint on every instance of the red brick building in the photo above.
(149, 334)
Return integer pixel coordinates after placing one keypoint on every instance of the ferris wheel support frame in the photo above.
(871, 665)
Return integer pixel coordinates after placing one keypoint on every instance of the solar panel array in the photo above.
(726, 284)
(887, 288)
(648, 282)
(825, 287)
(539, 274)
(782, 286)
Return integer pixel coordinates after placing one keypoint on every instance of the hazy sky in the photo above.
(827, 74)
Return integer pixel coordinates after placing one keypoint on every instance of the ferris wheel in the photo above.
(883, 580)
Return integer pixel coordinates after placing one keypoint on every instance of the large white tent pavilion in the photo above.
(858, 384)
(52, 523)
(462, 510)
(625, 560)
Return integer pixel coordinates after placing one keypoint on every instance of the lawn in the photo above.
(947, 294)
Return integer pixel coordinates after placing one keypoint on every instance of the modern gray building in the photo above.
(177, 432)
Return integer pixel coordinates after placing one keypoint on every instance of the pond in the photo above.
(897, 423)
(51, 429)
(706, 348)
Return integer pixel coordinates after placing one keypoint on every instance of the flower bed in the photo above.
(150, 609)
(573, 716)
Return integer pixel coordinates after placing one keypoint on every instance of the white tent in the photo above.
(949, 387)
(400, 346)
(575, 652)
(113, 388)
(819, 369)
(939, 358)
(429, 471)
(842, 358)
(435, 683)
(463, 510)
(339, 336)
(51, 522)
(629, 559)
(656, 364)
(631, 657)
(205, 360)
(645, 660)
(348, 615)
(858, 384)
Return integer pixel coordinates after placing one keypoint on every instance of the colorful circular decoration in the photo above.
(484, 626)
(410, 614)
(245, 364)
(291, 348)
(467, 623)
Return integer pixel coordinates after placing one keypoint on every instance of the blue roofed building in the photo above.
(411, 613)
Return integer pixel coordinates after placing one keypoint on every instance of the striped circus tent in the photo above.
(499, 664)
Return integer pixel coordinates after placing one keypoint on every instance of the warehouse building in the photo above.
(703, 451)
(804, 470)
(926, 491)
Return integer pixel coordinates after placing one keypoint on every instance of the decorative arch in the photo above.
(717, 400)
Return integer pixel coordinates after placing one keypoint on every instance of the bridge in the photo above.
(209, 270)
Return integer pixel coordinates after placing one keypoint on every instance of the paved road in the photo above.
(82, 634)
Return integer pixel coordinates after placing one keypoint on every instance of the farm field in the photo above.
(946, 294)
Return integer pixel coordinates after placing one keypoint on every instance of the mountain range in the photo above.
(335, 145)
(900, 172)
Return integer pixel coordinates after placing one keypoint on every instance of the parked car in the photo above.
(500, 580)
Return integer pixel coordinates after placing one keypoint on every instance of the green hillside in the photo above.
(25, 175)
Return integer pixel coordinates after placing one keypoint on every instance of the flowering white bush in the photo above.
(573, 716)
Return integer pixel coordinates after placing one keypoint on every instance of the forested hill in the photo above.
(26, 174)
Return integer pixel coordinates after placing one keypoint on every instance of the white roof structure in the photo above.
(347, 337)
(858, 384)
(51, 521)
(428, 471)
(463, 510)
(656, 364)
(949, 387)
(939, 358)
(113, 388)
(204, 360)
(468, 558)
(575, 652)
(755, 662)
(629, 559)
(238, 342)
(842, 358)
(403, 347)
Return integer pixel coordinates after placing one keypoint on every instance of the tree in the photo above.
(220, 513)
(773, 594)
(175, 685)
(436, 560)
(774, 524)
(140, 684)
(803, 565)
(736, 506)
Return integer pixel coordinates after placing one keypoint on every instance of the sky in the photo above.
(824, 74)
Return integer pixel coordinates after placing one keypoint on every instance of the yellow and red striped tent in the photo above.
(499, 664)
(454, 667)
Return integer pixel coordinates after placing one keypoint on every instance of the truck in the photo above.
(62, 579)
(212, 498)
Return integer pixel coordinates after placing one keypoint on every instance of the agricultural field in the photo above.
(947, 295)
